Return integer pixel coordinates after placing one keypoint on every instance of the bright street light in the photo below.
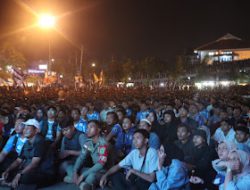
(46, 21)
(93, 65)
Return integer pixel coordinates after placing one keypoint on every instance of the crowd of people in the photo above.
(125, 138)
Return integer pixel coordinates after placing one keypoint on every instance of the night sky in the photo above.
(124, 28)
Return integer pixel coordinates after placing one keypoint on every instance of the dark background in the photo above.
(123, 28)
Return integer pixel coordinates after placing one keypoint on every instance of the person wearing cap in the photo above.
(14, 145)
(242, 139)
(70, 145)
(225, 132)
(28, 168)
(140, 163)
(154, 141)
(97, 148)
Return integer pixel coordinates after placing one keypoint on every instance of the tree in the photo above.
(9, 55)
(128, 68)
(179, 67)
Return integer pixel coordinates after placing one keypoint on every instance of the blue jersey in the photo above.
(93, 116)
(17, 146)
(124, 139)
(81, 125)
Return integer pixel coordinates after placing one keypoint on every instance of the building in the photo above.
(228, 48)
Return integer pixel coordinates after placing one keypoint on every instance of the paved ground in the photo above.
(57, 186)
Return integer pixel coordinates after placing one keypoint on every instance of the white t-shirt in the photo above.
(135, 160)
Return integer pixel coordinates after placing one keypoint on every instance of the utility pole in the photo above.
(81, 58)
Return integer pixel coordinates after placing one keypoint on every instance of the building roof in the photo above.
(226, 42)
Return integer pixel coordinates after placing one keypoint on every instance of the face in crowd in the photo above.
(183, 133)
(68, 131)
(198, 140)
(223, 151)
(139, 140)
(144, 125)
(167, 118)
(183, 112)
(93, 129)
(126, 124)
(19, 126)
(51, 113)
(225, 127)
(75, 114)
(151, 117)
(30, 131)
(111, 118)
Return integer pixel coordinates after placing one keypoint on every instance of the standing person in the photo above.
(140, 162)
(30, 167)
(97, 147)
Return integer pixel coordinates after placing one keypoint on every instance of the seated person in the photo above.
(70, 145)
(112, 125)
(50, 129)
(185, 142)
(225, 132)
(97, 148)
(219, 165)
(79, 123)
(14, 145)
(154, 141)
(30, 167)
(242, 139)
(172, 173)
(141, 164)
(202, 159)
(238, 171)
(124, 137)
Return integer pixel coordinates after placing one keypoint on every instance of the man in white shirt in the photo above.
(141, 164)
(225, 132)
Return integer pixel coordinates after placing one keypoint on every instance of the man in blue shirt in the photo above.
(13, 146)
(79, 123)
(142, 114)
(92, 114)
(124, 137)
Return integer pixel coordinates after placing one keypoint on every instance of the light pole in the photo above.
(47, 21)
